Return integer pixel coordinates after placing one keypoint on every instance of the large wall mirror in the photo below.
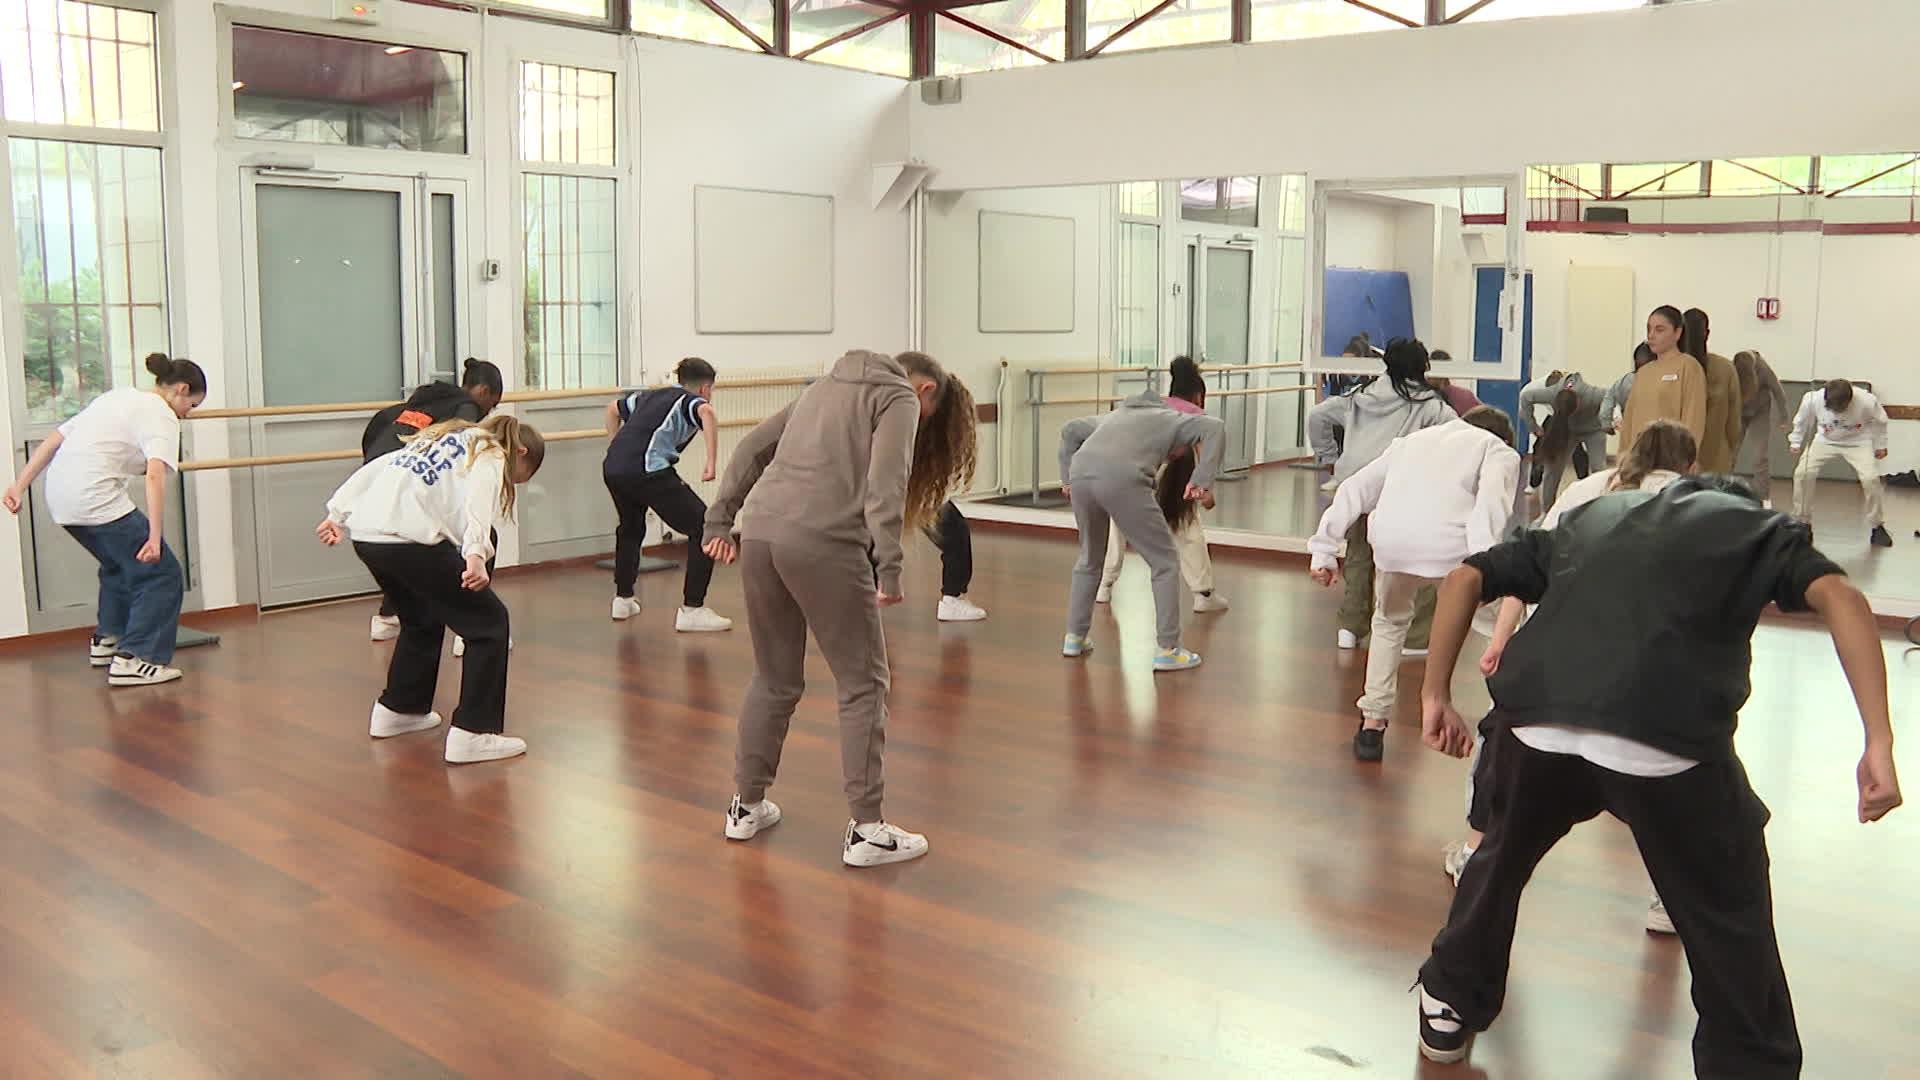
(1057, 302)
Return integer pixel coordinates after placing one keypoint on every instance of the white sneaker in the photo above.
(625, 607)
(1175, 659)
(1205, 602)
(386, 723)
(1454, 860)
(879, 844)
(1075, 645)
(1331, 485)
(1349, 640)
(460, 645)
(1104, 595)
(384, 628)
(100, 650)
(960, 609)
(700, 620)
(745, 822)
(466, 747)
(127, 671)
(1658, 921)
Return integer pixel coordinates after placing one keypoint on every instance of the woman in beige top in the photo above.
(1672, 386)
(1721, 440)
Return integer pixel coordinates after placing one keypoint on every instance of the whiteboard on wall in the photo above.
(1026, 273)
(1601, 326)
(763, 262)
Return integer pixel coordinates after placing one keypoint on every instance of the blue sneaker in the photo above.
(1175, 659)
(1075, 645)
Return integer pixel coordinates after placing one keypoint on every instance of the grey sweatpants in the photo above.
(1128, 504)
(792, 585)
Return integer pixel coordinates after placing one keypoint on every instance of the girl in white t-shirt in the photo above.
(122, 435)
(422, 519)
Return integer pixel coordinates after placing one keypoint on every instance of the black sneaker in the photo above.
(1880, 537)
(1369, 744)
(1448, 1043)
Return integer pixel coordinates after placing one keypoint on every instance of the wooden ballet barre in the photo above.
(1220, 369)
(1252, 391)
(312, 456)
(750, 383)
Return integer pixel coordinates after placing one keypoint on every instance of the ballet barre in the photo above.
(513, 397)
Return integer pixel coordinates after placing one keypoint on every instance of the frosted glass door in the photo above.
(332, 318)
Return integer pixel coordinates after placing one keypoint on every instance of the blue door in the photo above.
(1487, 343)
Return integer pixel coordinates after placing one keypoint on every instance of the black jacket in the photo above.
(1647, 610)
(436, 402)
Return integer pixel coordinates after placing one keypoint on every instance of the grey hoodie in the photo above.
(1369, 419)
(1589, 415)
(1135, 438)
(836, 463)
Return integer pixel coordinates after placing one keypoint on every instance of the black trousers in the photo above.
(387, 608)
(685, 512)
(424, 584)
(1702, 834)
(955, 541)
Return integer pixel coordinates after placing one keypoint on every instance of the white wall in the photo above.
(1362, 234)
(1446, 101)
(691, 115)
(953, 316)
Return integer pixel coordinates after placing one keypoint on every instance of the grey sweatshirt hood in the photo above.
(1350, 430)
(1135, 438)
(872, 368)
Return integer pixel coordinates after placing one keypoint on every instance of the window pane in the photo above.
(1523, 9)
(691, 20)
(1141, 199)
(586, 9)
(1185, 22)
(882, 50)
(570, 307)
(1762, 176)
(88, 227)
(1137, 292)
(88, 65)
(312, 88)
(1656, 180)
(1226, 200)
(1841, 172)
(1293, 203)
(1288, 20)
(959, 49)
(566, 114)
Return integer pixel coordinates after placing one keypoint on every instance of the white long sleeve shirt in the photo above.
(425, 493)
(1862, 422)
(1435, 496)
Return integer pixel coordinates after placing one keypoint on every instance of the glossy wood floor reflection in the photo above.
(1131, 876)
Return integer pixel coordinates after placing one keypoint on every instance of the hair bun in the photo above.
(159, 365)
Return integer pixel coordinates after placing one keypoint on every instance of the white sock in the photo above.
(865, 832)
(1430, 1007)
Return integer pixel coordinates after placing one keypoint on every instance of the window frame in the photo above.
(625, 216)
(13, 314)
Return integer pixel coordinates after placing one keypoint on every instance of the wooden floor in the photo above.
(1130, 876)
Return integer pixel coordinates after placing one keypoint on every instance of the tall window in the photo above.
(87, 220)
(569, 211)
(1137, 275)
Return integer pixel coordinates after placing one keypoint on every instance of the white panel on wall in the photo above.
(1601, 324)
(1026, 273)
(763, 262)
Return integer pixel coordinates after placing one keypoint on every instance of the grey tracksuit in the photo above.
(1109, 461)
(1587, 424)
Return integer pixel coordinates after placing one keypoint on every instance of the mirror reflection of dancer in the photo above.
(955, 541)
(1671, 386)
(1841, 421)
(826, 485)
(422, 520)
(1674, 584)
(1763, 407)
(1435, 497)
(1350, 432)
(1186, 393)
(1109, 464)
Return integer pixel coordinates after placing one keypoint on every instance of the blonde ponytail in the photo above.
(499, 434)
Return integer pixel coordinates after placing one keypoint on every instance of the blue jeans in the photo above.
(139, 602)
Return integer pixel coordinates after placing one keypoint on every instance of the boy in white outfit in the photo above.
(1432, 499)
(1841, 421)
